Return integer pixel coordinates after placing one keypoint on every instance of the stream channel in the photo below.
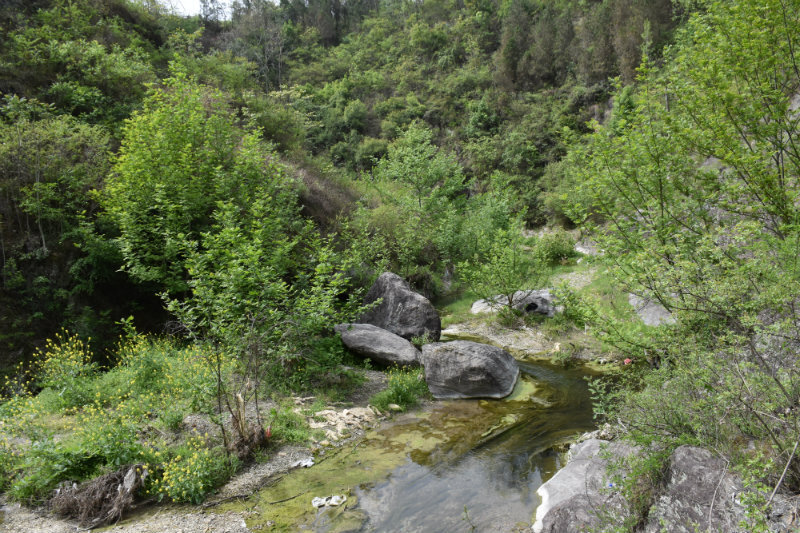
(466, 465)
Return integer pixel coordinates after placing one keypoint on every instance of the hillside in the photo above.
(190, 204)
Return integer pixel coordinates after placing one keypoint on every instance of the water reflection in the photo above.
(479, 473)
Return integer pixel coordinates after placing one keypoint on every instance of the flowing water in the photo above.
(468, 465)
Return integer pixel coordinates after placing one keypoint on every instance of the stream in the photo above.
(466, 465)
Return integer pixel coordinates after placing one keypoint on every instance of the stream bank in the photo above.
(487, 457)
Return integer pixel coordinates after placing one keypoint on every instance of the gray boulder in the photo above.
(699, 495)
(464, 369)
(581, 496)
(539, 301)
(377, 344)
(401, 311)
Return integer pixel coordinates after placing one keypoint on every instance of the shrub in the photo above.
(193, 471)
(289, 426)
(65, 365)
(405, 389)
(556, 247)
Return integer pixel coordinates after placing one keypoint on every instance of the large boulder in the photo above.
(464, 369)
(581, 496)
(538, 301)
(377, 344)
(699, 495)
(401, 311)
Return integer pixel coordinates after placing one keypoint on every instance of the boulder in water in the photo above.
(464, 369)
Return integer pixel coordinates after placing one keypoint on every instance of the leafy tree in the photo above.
(415, 161)
(47, 168)
(697, 187)
(178, 158)
(506, 266)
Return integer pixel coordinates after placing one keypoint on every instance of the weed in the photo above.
(405, 388)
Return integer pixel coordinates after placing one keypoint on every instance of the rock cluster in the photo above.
(699, 493)
(458, 369)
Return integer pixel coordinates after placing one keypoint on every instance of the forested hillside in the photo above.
(490, 91)
(189, 204)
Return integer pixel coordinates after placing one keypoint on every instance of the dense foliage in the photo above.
(692, 193)
(237, 182)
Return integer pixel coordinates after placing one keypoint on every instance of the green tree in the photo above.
(697, 189)
(413, 160)
(178, 158)
(505, 267)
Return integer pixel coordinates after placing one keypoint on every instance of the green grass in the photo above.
(84, 423)
(405, 389)
(456, 308)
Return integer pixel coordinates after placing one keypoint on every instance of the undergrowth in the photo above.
(405, 388)
(68, 421)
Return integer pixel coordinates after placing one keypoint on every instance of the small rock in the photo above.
(394, 407)
(305, 463)
(330, 501)
(324, 443)
(337, 499)
(319, 502)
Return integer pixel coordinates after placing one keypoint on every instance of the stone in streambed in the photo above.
(464, 369)
(378, 345)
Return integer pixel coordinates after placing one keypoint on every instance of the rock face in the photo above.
(401, 311)
(698, 496)
(699, 493)
(540, 301)
(464, 369)
(377, 344)
(580, 496)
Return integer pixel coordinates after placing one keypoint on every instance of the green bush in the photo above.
(405, 388)
(193, 471)
(65, 367)
(288, 426)
(555, 247)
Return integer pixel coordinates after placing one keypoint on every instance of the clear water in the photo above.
(471, 478)
(455, 465)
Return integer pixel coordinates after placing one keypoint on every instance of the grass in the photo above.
(73, 422)
(405, 388)
(456, 308)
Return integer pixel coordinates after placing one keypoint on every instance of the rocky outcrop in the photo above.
(464, 369)
(378, 345)
(581, 495)
(699, 495)
(401, 311)
(539, 301)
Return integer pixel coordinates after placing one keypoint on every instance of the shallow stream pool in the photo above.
(468, 465)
